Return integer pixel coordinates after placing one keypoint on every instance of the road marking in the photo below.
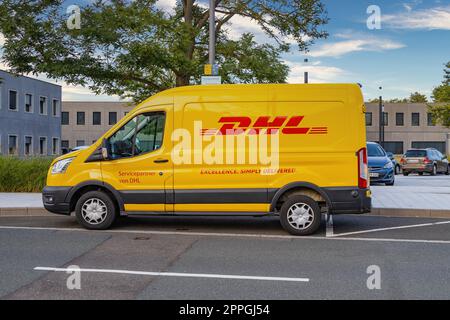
(392, 228)
(174, 274)
(231, 235)
(329, 225)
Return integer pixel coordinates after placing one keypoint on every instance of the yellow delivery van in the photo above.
(292, 150)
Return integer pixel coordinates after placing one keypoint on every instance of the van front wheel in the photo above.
(95, 210)
(300, 215)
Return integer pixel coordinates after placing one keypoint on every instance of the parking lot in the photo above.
(235, 257)
(225, 258)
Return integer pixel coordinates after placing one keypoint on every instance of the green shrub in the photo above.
(23, 175)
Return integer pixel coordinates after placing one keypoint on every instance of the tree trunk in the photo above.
(182, 80)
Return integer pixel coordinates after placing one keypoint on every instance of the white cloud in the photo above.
(317, 73)
(166, 5)
(2, 39)
(426, 19)
(341, 48)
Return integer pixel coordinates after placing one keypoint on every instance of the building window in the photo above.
(43, 146)
(12, 144)
(64, 146)
(96, 118)
(396, 147)
(28, 146)
(399, 119)
(368, 118)
(112, 118)
(415, 119)
(385, 119)
(439, 145)
(80, 118)
(55, 108)
(43, 107)
(55, 145)
(28, 103)
(430, 119)
(13, 100)
(80, 143)
(64, 118)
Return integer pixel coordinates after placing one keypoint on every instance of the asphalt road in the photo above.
(225, 258)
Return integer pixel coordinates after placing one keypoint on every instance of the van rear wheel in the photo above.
(300, 215)
(95, 210)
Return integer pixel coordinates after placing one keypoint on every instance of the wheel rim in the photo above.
(94, 211)
(300, 216)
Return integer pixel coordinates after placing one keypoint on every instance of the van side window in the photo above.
(142, 134)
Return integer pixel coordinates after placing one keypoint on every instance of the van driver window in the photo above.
(142, 134)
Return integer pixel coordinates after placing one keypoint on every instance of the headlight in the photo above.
(62, 165)
(388, 165)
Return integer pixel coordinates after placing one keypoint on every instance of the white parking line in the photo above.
(174, 274)
(231, 235)
(392, 228)
(329, 225)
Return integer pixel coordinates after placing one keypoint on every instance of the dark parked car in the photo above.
(381, 169)
(427, 160)
(397, 167)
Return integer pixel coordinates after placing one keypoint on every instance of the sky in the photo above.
(405, 53)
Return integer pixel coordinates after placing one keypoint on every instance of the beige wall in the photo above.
(89, 132)
(406, 133)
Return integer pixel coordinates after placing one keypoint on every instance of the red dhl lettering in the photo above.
(264, 125)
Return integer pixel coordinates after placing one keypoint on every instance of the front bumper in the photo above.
(349, 200)
(384, 175)
(55, 199)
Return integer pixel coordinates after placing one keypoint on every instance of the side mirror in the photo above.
(100, 153)
(104, 149)
(104, 153)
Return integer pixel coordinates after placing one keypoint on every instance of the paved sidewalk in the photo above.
(20, 200)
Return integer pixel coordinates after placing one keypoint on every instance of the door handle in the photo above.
(160, 160)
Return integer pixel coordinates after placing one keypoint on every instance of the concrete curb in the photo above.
(420, 213)
(24, 212)
(387, 212)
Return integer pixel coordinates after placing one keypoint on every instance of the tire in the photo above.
(94, 203)
(434, 171)
(448, 170)
(390, 183)
(405, 173)
(420, 173)
(397, 169)
(312, 215)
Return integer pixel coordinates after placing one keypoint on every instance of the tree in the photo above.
(134, 49)
(441, 96)
(417, 97)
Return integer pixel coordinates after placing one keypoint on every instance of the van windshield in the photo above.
(374, 150)
(416, 153)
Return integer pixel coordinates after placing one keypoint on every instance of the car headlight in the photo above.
(62, 165)
(388, 165)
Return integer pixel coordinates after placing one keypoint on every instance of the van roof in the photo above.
(256, 90)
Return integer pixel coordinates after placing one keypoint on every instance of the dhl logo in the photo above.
(263, 124)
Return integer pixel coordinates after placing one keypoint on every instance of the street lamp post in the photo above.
(212, 32)
(306, 72)
(381, 120)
